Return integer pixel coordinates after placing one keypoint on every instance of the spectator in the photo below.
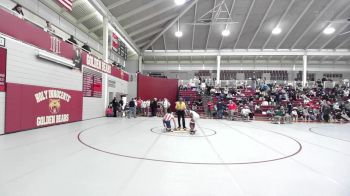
(132, 108)
(180, 108)
(49, 27)
(246, 112)
(154, 106)
(18, 9)
(166, 105)
(86, 47)
(72, 40)
(210, 107)
(144, 108)
(116, 106)
(232, 107)
(138, 106)
(220, 109)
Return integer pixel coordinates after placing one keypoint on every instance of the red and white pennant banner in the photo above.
(67, 4)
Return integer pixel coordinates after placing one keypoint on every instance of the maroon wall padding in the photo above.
(29, 33)
(23, 111)
(3, 55)
(150, 87)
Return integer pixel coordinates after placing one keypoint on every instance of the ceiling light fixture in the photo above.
(225, 32)
(276, 31)
(179, 2)
(178, 33)
(329, 30)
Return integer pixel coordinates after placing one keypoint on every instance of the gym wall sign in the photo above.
(40, 106)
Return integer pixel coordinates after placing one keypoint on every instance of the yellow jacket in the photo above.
(180, 106)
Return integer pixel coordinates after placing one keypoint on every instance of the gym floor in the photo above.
(130, 157)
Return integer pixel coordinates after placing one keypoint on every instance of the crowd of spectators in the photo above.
(138, 107)
(280, 103)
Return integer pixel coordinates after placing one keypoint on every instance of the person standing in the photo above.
(154, 106)
(220, 109)
(210, 108)
(166, 105)
(180, 109)
(115, 106)
(132, 108)
(139, 106)
(232, 107)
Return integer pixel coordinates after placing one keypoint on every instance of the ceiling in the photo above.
(151, 24)
(301, 21)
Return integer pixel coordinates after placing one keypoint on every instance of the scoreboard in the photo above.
(119, 46)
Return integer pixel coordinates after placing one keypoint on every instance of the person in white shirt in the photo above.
(245, 112)
(144, 108)
(166, 105)
(194, 118)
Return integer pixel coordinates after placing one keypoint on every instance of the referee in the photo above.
(180, 109)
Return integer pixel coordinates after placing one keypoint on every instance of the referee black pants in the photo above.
(181, 114)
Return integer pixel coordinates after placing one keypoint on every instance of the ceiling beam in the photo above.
(230, 13)
(343, 43)
(313, 22)
(142, 43)
(212, 17)
(100, 7)
(295, 23)
(266, 52)
(279, 21)
(245, 21)
(78, 2)
(194, 26)
(117, 4)
(147, 27)
(171, 24)
(143, 19)
(147, 35)
(261, 23)
(87, 17)
(139, 9)
(96, 28)
(327, 24)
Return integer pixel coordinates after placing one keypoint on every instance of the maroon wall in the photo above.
(29, 107)
(29, 33)
(150, 87)
(3, 56)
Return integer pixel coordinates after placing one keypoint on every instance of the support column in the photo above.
(105, 58)
(105, 39)
(218, 71)
(304, 70)
(140, 64)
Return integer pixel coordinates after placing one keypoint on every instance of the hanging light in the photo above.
(225, 32)
(178, 33)
(276, 31)
(329, 30)
(179, 2)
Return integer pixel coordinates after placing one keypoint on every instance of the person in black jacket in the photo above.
(132, 108)
(115, 105)
(154, 105)
(18, 9)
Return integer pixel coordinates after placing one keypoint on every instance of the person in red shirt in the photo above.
(232, 108)
(210, 108)
(138, 105)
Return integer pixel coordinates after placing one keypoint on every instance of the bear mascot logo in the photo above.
(54, 105)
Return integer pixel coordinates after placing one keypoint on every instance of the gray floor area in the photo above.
(134, 157)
